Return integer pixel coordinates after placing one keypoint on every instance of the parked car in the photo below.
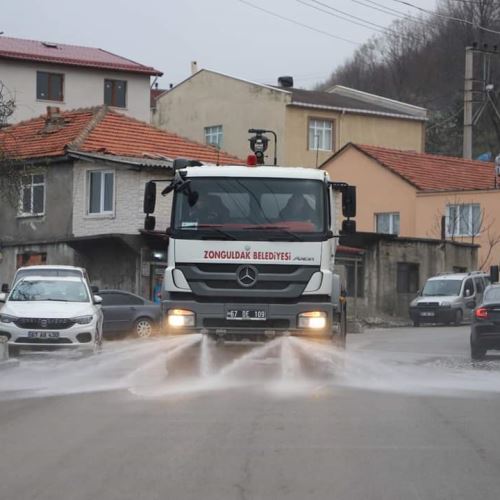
(485, 327)
(448, 298)
(125, 313)
(51, 312)
(49, 270)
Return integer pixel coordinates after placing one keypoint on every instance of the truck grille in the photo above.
(272, 280)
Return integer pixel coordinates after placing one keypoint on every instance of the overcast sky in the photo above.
(229, 36)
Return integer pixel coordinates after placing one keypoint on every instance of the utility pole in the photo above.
(468, 88)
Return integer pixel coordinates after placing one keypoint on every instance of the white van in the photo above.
(449, 298)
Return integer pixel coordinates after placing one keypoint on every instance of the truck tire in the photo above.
(339, 335)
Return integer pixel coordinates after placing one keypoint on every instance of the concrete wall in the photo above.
(381, 261)
(378, 190)
(209, 99)
(56, 223)
(57, 254)
(128, 216)
(348, 127)
(82, 88)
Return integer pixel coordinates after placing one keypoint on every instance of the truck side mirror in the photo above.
(149, 223)
(149, 197)
(494, 274)
(348, 226)
(349, 201)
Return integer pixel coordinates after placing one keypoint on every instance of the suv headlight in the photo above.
(5, 318)
(83, 320)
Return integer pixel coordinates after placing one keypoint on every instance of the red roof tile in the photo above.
(428, 172)
(104, 131)
(73, 55)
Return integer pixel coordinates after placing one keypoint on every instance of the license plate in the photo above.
(427, 313)
(246, 314)
(43, 335)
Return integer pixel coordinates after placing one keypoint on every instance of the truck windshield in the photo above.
(287, 206)
(442, 288)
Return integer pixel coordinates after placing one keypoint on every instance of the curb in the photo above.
(9, 363)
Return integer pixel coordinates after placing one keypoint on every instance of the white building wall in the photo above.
(82, 88)
(128, 216)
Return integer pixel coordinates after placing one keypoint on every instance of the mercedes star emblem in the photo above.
(246, 276)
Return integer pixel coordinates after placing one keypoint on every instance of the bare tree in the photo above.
(10, 173)
(462, 225)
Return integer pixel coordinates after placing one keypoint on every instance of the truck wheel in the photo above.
(458, 317)
(339, 334)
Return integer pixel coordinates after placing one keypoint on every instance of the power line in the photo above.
(444, 16)
(345, 15)
(293, 21)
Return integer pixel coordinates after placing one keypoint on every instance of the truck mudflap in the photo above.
(229, 321)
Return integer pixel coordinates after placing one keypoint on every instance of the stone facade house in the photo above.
(72, 189)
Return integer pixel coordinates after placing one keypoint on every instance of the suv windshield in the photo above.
(246, 204)
(442, 288)
(60, 291)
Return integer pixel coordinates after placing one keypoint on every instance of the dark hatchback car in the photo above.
(485, 328)
(127, 313)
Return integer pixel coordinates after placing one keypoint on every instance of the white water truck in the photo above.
(251, 251)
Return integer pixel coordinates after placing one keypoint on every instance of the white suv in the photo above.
(51, 312)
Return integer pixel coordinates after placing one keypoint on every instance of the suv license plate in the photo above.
(43, 335)
(427, 313)
(246, 314)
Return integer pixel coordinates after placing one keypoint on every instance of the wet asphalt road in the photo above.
(402, 415)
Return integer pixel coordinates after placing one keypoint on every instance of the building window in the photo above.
(463, 219)
(115, 93)
(320, 135)
(408, 278)
(387, 223)
(49, 86)
(32, 195)
(101, 192)
(213, 135)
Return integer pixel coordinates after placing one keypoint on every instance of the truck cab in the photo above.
(251, 253)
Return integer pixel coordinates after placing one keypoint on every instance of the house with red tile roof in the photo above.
(80, 176)
(421, 195)
(40, 73)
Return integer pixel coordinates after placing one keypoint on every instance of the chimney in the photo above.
(194, 67)
(53, 113)
(54, 120)
(285, 82)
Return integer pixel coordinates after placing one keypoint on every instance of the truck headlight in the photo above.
(5, 318)
(178, 318)
(315, 320)
(83, 320)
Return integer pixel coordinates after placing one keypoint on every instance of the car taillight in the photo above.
(481, 313)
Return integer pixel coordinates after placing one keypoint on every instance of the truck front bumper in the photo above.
(280, 319)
